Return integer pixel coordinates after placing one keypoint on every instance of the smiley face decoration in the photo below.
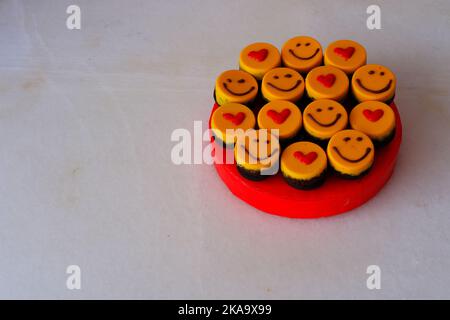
(314, 113)
(235, 86)
(282, 84)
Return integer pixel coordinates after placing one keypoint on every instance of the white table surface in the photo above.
(85, 124)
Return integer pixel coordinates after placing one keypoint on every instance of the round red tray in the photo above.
(337, 195)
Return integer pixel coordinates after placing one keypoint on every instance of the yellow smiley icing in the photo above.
(373, 82)
(346, 55)
(282, 115)
(374, 118)
(257, 150)
(231, 116)
(235, 86)
(282, 84)
(303, 161)
(327, 82)
(350, 152)
(302, 54)
(258, 58)
(323, 118)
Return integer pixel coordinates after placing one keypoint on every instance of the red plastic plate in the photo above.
(337, 195)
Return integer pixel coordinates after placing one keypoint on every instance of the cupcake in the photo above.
(302, 54)
(282, 84)
(346, 55)
(304, 165)
(376, 119)
(327, 82)
(257, 154)
(282, 115)
(258, 58)
(228, 118)
(323, 118)
(235, 86)
(373, 82)
(350, 153)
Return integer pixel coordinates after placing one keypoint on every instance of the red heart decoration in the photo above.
(279, 117)
(236, 119)
(373, 115)
(327, 80)
(305, 158)
(259, 55)
(346, 53)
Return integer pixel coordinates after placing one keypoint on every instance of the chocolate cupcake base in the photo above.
(349, 176)
(253, 175)
(385, 141)
(306, 184)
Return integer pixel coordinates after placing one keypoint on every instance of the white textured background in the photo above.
(86, 177)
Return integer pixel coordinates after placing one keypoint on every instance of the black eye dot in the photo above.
(382, 73)
(276, 77)
(228, 80)
(307, 44)
(371, 72)
(288, 75)
(319, 109)
(241, 81)
(359, 139)
(267, 141)
(347, 139)
(298, 44)
(330, 108)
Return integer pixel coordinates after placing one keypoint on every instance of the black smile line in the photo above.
(258, 159)
(386, 88)
(351, 160)
(302, 58)
(238, 94)
(285, 90)
(338, 116)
